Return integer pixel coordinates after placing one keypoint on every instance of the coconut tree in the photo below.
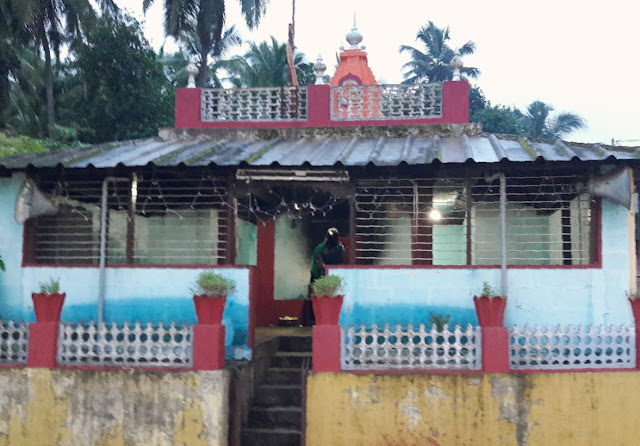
(50, 23)
(175, 64)
(430, 63)
(205, 19)
(265, 65)
(538, 122)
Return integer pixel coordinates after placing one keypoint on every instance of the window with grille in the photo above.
(159, 220)
(456, 221)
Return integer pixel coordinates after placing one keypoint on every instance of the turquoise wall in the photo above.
(146, 294)
(544, 296)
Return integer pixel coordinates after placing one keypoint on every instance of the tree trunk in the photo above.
(48, 77)
(201, 81)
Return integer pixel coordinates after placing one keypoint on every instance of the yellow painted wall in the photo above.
(543, 409)
(43, 407)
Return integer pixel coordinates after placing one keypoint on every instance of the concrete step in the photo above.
(271, 437)
(283, 375)
(285, 417)
(295, 343)
(270, 395)
(291, 359)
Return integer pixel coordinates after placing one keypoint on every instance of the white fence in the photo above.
(370, 348)
(130, 345)
(371, 102)
(254, 104)
(14, 342)
(572, 348)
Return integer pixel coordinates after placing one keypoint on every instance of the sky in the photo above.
(578, 56)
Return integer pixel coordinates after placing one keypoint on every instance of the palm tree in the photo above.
(265, 65)
(432, 63)
(205, 19)
(49, 23)
(538, 123)
(175, 65)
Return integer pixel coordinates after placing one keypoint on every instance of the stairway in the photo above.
(276, 415)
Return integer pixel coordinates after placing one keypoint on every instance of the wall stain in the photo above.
(512, 392)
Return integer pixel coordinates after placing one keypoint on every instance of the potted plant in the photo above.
(327, 300)
(490, 307)
(210, 296)
(47, 304)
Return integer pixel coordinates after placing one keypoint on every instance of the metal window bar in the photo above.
(572, 347)
(14, 342)
(130, 345)
(382, 102)
(406, 348)
(150, 221)
(456, 221)
(254, 104)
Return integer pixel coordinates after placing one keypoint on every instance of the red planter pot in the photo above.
(209, 309)
(490, 311)
(48, 306)
(327, 309)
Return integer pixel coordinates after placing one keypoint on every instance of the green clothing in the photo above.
(329, 256)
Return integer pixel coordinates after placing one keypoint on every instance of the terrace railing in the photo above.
(321, 106)
(254, 104)
(14, 342)
(382, 102)
(406, 348)
(130, 345)
(572, 347)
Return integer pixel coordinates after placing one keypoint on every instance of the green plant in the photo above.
(327, 286)
(439, 320)
(487, 290)
(213, 284)
(1, 264)
(52, 286)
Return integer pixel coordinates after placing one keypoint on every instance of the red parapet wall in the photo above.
(455, 110)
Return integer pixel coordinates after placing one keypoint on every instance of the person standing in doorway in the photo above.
(329, 252)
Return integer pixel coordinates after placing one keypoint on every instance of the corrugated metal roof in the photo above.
(325, 150)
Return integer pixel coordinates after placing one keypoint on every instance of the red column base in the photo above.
(43, 344)
(208, 347)
(326, 348)
(495, 349)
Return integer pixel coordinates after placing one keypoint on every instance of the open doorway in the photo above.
(289, 219)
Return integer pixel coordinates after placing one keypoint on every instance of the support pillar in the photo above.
(43, 344)
(326, 348)
(208, 347)
(495, 349)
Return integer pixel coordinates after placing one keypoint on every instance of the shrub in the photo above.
(327, 286)
(213, 284)
(52, 286)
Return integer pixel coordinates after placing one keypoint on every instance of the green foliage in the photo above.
(23, 145)
(52, 286)
(265, 65)
(327, 286)
(212, 283)
(439, 320)
(539, 123)
(127, 94)
(2, 267)
(477, 100)
(487, 290)
(499, 120)
(66, 135)
(430, 62)
(205, 20)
